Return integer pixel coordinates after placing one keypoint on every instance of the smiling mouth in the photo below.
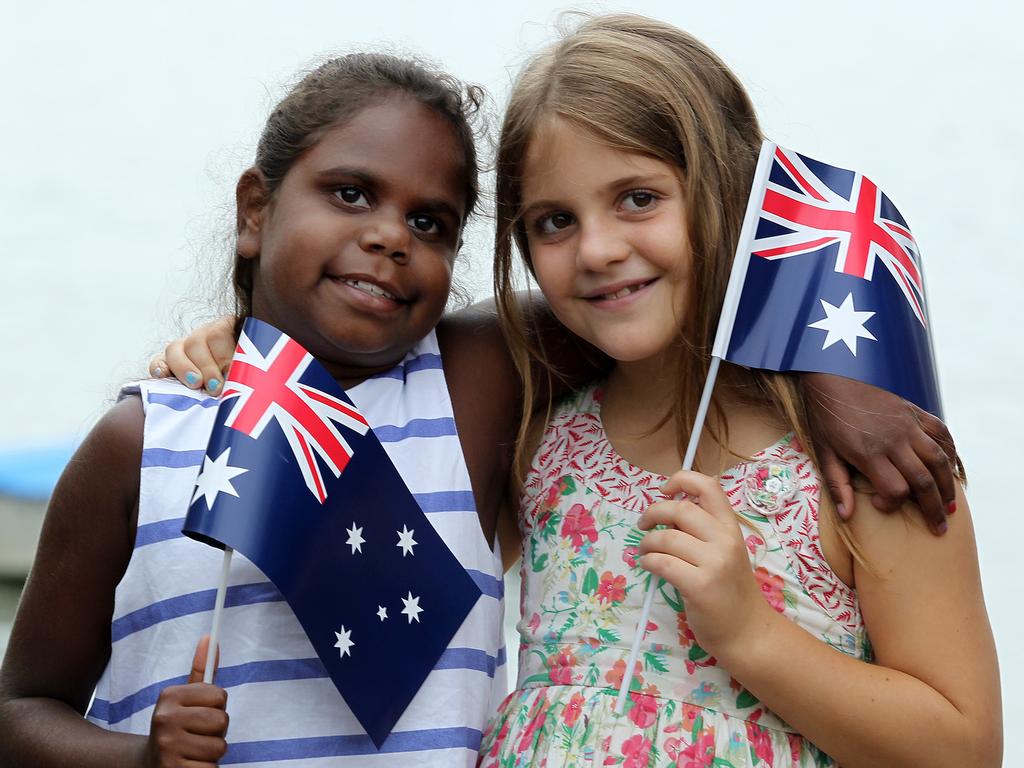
(371, 288)
(621, 292)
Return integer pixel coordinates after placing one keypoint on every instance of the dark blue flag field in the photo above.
(295, 480)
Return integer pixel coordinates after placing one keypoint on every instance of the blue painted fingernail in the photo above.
(191, 378)
(212, 384)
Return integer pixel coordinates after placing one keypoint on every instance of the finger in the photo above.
(891, 488)
(837, 478)
(199, 660)
(936, 429)
(923, 486)
(668, 541)
(937, 461)
(206, 720)
(204, 749)
(222, 346)
(202, 358)
(188, 696)
(158, 367)
(181, 365)
(676, 572)
(682, 515)
(702, 490)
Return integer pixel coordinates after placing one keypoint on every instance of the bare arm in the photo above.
(60, 642)
(931, 697)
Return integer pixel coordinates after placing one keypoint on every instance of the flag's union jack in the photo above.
(267, 387)
(809, 205)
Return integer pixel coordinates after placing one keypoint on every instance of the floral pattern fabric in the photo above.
(583, 593)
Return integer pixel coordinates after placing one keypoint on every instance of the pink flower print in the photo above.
(630, 555)
(686, 636)
(637, 750)
(672, 746)
(534, 623)
(579, 525)
(753, 542)
(771, 588)
(701, 753)
(572, 710)
(533, 726)
(499, 739)
(612, 589)
(560, 667)
(644, 710)
(760, 742)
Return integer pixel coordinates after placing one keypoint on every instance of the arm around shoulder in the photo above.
(60, 641)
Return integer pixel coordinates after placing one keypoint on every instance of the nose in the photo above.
(600, 245)
(386, 234)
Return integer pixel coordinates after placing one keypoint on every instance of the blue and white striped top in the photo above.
(283, 706)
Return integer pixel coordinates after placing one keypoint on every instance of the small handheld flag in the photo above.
(295, 480)
(827, 277)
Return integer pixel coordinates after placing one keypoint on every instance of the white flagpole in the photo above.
(718, 352)
(218, 611)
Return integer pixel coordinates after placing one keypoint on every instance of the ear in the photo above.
(251, 199)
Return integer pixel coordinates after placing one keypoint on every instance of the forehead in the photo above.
(563, 159)
(405, 144)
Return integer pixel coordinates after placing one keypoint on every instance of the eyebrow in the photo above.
(636, 180)
(427, 205)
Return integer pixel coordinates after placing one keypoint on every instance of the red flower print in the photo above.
(644, 710)
(612, 589)
(614, 675)
(771, 588)
(560, 667)
(579, 525)
(499, 739)
(760, 742)
(629, 556)
(686, 636)
(534, 623)
(572, 710)
(533, 726)
(701, 753)
(636, 749)
(753, 541)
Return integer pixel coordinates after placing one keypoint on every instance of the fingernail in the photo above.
(212, 385)
(841, 510)
(158, 372)
(952, 507)
(942, 527)
(192, 378)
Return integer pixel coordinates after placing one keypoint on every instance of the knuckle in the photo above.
(922, 482)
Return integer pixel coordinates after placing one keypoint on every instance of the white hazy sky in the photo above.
(126, 124)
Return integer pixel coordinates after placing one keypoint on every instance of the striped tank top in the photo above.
(284, 709)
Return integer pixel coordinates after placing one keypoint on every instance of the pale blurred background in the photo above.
(125, 126)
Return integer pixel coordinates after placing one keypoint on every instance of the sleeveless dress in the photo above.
(284, 709)
(583, 594)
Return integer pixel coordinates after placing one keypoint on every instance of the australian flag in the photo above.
(827, 278)
(295, 480)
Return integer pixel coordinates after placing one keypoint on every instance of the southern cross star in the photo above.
(412, 607)
(344, 643)
(355, 538)
(382, 612)
(216, 478)
(406, 541)
(843, 323)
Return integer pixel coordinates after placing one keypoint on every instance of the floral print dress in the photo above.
(582, 596)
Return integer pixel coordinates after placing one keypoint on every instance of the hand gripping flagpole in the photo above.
(218, 611)
(725, 323)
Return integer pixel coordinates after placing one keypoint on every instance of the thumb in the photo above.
(199, 660)
(837, 478)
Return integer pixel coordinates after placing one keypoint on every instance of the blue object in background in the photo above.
(30, 472)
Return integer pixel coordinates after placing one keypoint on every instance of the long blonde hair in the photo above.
(642, 86)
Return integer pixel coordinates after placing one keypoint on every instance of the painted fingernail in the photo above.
(212, 385)
(952, 507)
(192, 378)
(942, 527)
(841, 510)
(157, 371)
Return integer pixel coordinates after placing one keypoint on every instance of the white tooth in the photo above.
(374, 290)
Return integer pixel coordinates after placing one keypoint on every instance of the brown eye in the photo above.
(554, 222)
(352, 196)
(638, 200)
(421, 222)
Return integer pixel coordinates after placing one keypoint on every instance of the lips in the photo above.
(372, 287)
(617, 290)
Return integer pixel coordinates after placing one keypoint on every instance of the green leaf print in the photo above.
(608, 636)
(540, 563)
(568, 485)
(722, 762)
(677, 603)
(590, 582)
(746, 699)
(654, 661)
(697, 653)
